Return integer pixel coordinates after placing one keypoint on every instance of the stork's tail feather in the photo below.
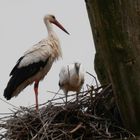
(8, 93)
(11, 87)
(17, 83)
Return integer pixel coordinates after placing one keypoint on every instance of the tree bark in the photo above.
(116, 30)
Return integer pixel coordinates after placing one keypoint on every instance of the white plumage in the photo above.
(36, 62)
(71, 78)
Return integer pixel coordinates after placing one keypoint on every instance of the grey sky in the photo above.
(22, 26)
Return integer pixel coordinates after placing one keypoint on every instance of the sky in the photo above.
(22, 26)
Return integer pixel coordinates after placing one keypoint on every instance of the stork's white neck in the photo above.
(53, 37)
(50, 29)
(49, 26)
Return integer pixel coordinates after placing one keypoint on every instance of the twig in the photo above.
(76, 128)
(94, 78)
(9, 103)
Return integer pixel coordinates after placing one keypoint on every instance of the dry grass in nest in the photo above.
(94, 116)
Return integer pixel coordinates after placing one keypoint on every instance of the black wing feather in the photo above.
(15, 67)
(19, 75)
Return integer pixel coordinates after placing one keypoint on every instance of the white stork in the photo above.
(71, 78)
(35, 63)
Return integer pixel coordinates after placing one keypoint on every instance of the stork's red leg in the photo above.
(36, 93)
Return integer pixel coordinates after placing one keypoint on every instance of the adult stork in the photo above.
(36, 62)
(71, 78)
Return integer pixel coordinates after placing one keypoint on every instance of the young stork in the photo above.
(35, 63)
(71, 78)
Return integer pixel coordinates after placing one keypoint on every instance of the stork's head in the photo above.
(52, 19)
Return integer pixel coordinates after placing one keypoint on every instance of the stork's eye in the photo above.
(53, 17)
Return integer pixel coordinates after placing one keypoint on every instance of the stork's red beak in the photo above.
(60, 26)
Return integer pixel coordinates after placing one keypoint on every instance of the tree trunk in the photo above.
(116, 30)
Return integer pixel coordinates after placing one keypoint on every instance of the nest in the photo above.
(94, 116)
